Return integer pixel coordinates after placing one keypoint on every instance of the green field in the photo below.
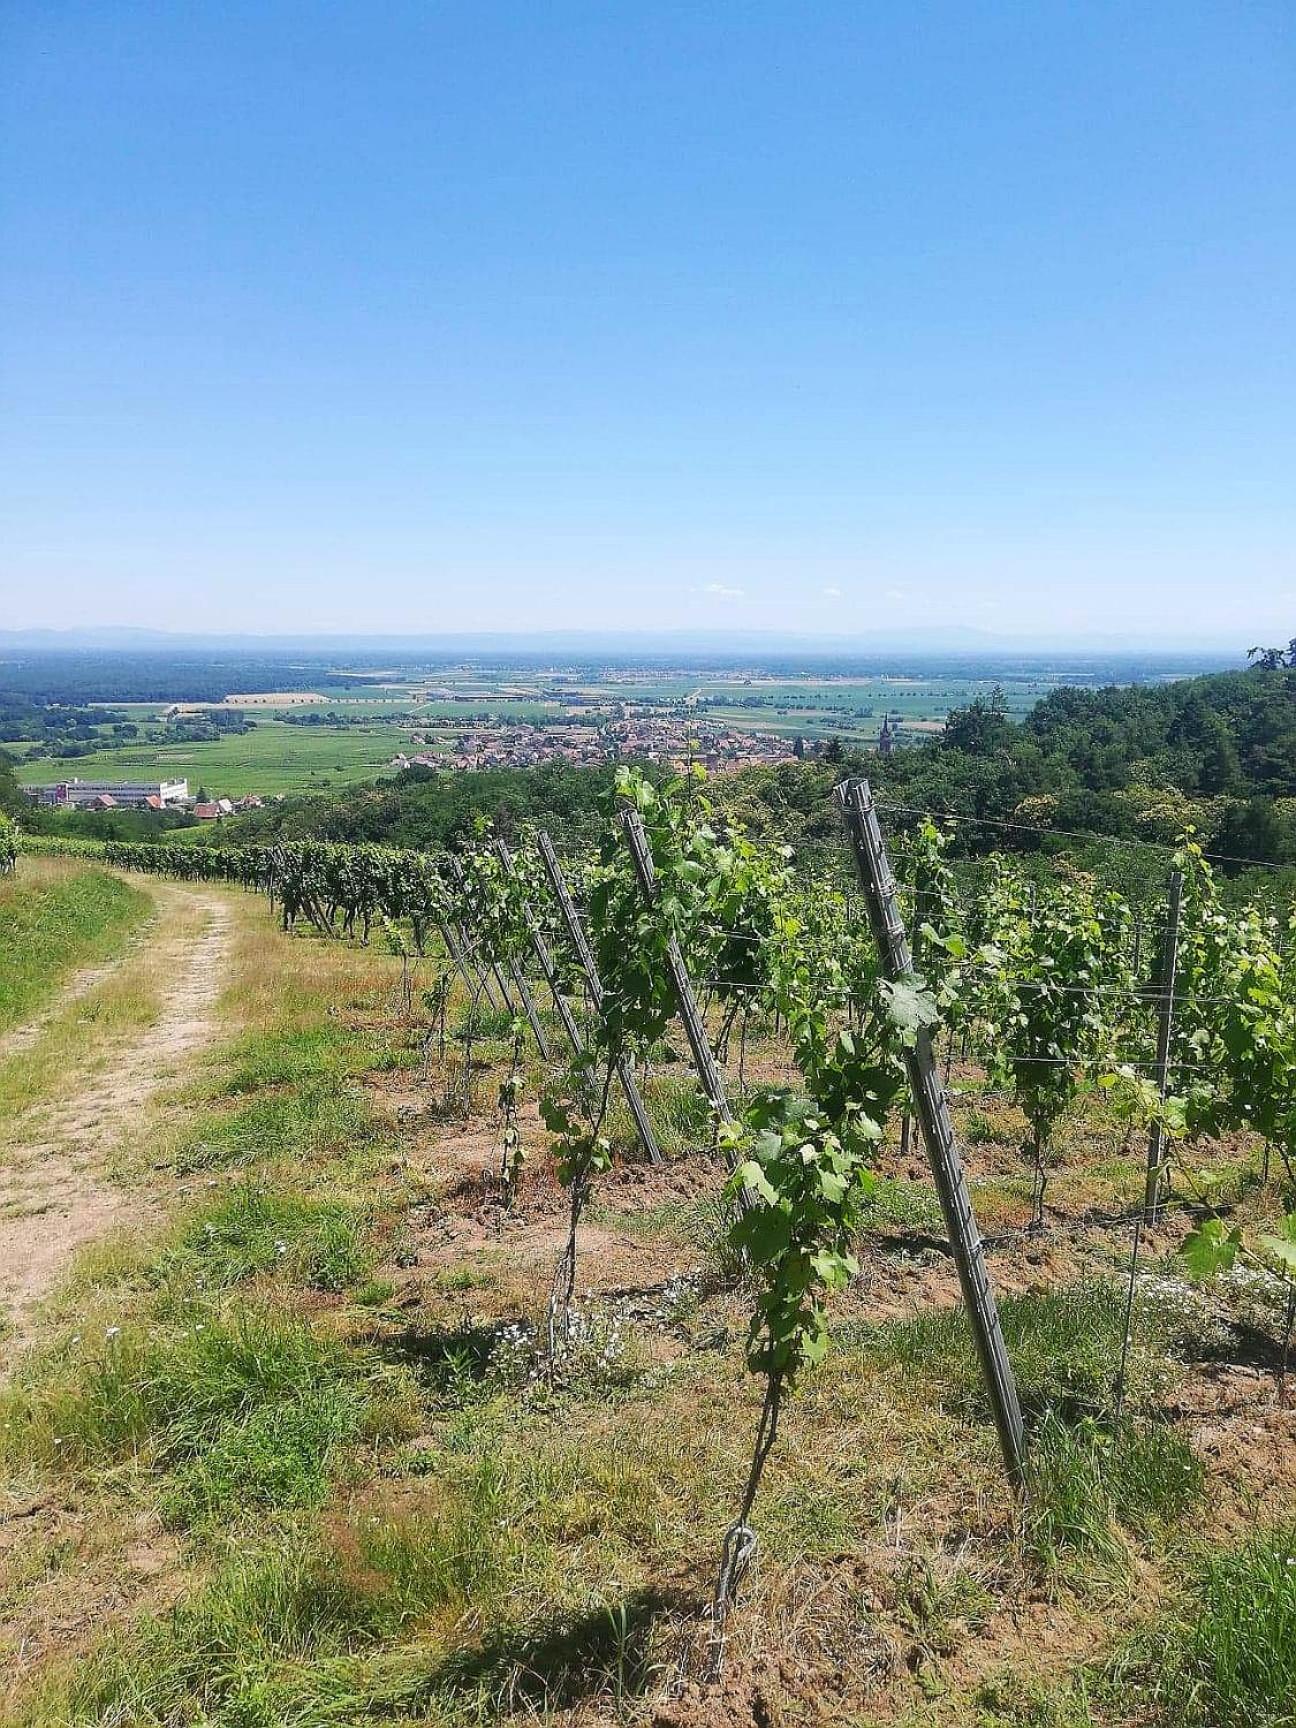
(272, 758)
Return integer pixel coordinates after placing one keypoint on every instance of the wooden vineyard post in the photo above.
(1165, 991)
(594, 989)
(695, 1031)
(931, 1108)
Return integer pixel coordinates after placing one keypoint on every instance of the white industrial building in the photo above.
(124, 794)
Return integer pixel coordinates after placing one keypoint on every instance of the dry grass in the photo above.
(472, 1545)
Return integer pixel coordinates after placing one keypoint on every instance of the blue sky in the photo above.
(389, 314)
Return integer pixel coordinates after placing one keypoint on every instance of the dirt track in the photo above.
(55, 1195)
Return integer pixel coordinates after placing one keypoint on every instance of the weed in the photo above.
(939, 1603)
(903, 1206)
(1083, 1485)
(978, 1129)
(256, 1230)
(1064, 1345)
(483, 1023)
(290, 1056)
(320, 1117)
(277, 1456)
(212, 1402)
(51, 920)
(1226, 1658)
(680, 1113)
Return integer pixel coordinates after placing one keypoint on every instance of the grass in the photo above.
(287, 1058)
(319, 1243)
(229, 1411)
(318, 1119)
(678, 1109)
(139, 1385)
(1226, 1658)
(1086, 1487)
(295, 1634)
(1065, 1346)
(274, 757)
(899, 1205)
(384, 1517)
(54, 919)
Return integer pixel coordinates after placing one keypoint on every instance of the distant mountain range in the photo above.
(959, 640)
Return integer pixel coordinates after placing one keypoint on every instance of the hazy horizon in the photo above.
(918, 644)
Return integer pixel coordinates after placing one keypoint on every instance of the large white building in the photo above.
(129, 794)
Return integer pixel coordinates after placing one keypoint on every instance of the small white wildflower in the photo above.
(112, 1332)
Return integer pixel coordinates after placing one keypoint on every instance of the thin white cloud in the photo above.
(896, 594)
(722, 592)
(832, 593)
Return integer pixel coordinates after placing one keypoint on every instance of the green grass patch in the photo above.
(289, 1057)
(256, 1230)
(143, 1385)
(317, 1119)
(677, 1108)
(1085, 1485)
(897, 1205)
(50, 926)
(1225, 1657)
(277, 1455)
(1065, 1347)
(242, 1411)
(527, 1534)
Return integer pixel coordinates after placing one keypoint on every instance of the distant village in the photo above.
(645, 738)
(668, 740)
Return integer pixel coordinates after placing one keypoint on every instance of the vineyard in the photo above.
(844, 1021)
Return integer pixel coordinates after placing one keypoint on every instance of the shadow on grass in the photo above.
(443, 1357)
(606, 1651)
(1238, 1344)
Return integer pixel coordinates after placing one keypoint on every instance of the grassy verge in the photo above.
(54, 919)
(315, 1392)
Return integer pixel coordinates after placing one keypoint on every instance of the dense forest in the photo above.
(71, 677)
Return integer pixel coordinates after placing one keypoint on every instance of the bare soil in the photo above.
(55, 1191)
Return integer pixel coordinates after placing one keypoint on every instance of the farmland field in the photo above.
(272, 758)
(355, 731)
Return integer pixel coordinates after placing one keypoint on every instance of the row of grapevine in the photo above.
(1040, 982)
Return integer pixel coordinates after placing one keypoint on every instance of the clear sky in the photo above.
(388, 314)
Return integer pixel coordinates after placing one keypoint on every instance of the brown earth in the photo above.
(55, 1193)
